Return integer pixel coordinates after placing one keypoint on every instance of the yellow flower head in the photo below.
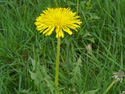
(58, 19)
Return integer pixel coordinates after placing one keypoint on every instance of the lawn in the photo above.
(88, 58)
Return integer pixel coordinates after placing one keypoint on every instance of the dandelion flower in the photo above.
(123, 92)
(119, 75)
(58, 20)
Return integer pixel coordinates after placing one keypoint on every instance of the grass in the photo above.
(27, 58)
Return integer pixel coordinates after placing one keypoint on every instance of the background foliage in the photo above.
(27, 58)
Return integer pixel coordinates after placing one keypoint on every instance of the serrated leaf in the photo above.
(79, 60)
(4, 1)
(28, 91)
(50, 84)
(33, 75)
(70, 3)
(33, 63)
(60, 93)
(94, 17)
(91, 39)
(87, 34)
(64, 1)
(91, 92)
(25, 91)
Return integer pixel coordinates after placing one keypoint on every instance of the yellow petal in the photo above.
(72, 27)
(46, 30)
(66, 29)
(60, 19)
(50, 32)
(57, 31)
(37, 23)
(61, 34)
(41, 27)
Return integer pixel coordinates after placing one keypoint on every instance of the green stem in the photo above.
(57, 62)
(109, 87)
(77, 6)
(56, 3)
